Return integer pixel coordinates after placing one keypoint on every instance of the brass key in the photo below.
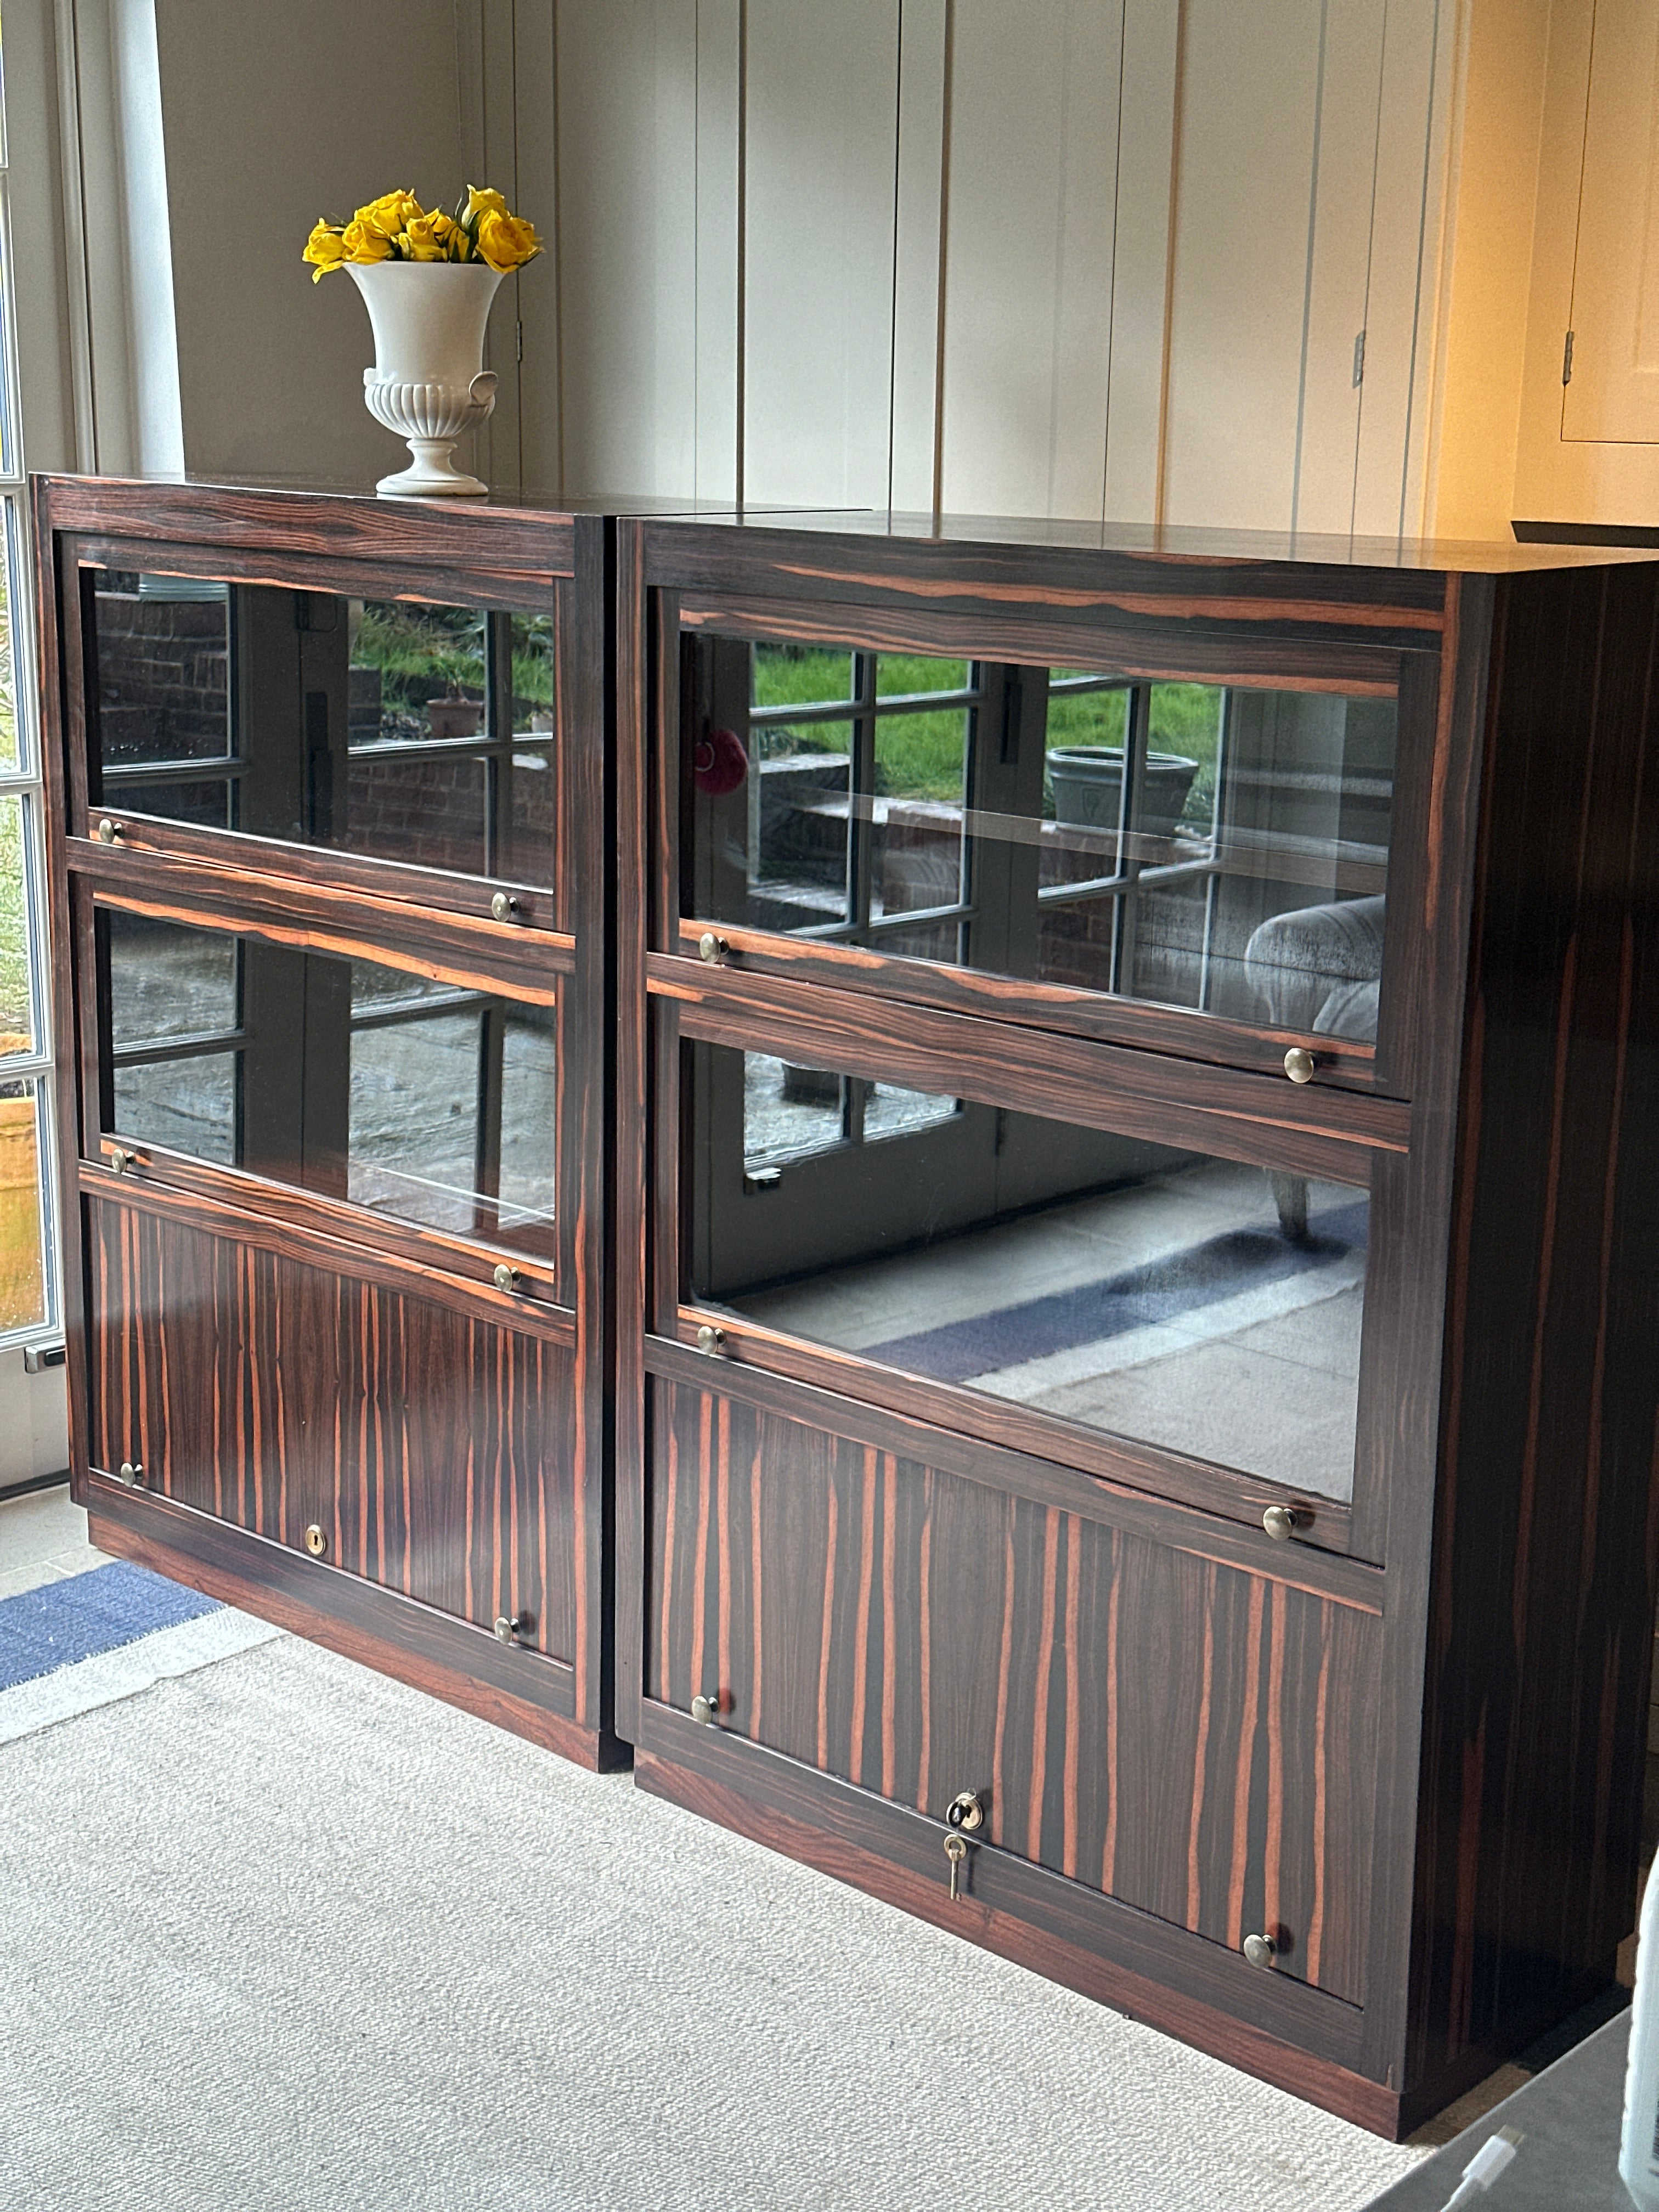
(955, 1850)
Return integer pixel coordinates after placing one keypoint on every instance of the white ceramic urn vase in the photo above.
(428, 382)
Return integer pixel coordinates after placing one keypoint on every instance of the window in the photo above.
(28, 1289)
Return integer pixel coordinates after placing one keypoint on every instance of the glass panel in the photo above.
(788, 1110)
(355, 1078)
(1244, 874)
(399, 729)
(188, 1104)
(166, 981)
(16, 1016)
(22, 1273)
(1190, 1303)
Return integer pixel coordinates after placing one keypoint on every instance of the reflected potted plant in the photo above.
(428, 281)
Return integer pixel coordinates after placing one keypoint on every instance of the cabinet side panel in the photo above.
(1164, 1729)
(1539, 1646)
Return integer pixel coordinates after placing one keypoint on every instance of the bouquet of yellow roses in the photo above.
(396, 227)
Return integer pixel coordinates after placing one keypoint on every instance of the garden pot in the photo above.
(1088, 782)
(428, 382)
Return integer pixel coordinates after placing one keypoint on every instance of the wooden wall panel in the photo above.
(625, 73)
(1194, 1742)
(1029, 242)
(433, 1448)
(820, 122)
(918, 260)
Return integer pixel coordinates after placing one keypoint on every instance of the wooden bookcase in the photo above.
(739, 1202)
(1318, 1740)
(333, 1026)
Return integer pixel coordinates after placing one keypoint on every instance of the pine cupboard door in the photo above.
(1137, 1712)
(411, 1443)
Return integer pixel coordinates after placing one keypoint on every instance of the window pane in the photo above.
(418, 672)
(917, 822)
(166, 980)
(16, 1018)
(801, 676)
(8, 663)
(794, 874)
(22, 1274)
(163, 666)
(1186, 1301)
(898, 673)
(357, 1079)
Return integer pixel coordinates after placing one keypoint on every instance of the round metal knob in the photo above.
(504, 907)
(707, 1710)
(712, 949)
(505, 1277)
(711, 1339)
(1279, 1521)
(316, 1540)
(130, 1472)
(508, 1626)
(1261, 1950)
(964, 1811)
(1299, 1064)
(108, 831)
(121, 1160)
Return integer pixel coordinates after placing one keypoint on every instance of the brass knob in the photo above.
(505, 1277)
(1279, 1521)
(964, 1811)
(1261, 1950)
(130, 1472)
(712, 949)
(707, 1710)
(121, 1160)
(504, 907)
(1299, 1064)
(508, 1626)
(711, 1339)
(316, 1540)
(108, 831)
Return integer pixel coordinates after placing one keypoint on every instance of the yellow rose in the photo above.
(482, 202)
(391, 213)
(505, 242)
(325, 248)
(361, 241)
(423, 241)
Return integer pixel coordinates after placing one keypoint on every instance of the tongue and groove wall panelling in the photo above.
(628, 127)
(1028, 260)
(1141, 266)
(820, 143)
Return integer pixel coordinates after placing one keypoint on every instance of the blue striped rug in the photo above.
(59, 1624)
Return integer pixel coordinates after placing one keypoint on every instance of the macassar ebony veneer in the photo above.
(1188, 1530)
(327, 791)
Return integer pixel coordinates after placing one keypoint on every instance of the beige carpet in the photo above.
(280, 1933)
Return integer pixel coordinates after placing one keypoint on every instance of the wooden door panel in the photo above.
(431, 1447)
(1193, 1740)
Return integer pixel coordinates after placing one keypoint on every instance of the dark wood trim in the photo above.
(1302, 1128)
(237, 1191)
(311, 868)
(297, 1235)
(1177, 1032)
(1201, 1528)
(1223, 654)
(502, 544)
(1108, 1952)
(476, 953)
(380, 1628)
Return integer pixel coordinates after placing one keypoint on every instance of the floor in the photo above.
(43, 1537)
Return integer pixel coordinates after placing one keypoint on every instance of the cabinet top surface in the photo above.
(1172, 542)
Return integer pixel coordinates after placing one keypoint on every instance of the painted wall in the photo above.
(1077, 258)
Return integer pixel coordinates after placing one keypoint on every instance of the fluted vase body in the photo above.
(428, 382)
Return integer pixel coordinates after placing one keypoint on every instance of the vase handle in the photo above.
(482, 390)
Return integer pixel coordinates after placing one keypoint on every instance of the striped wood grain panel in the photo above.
(1192, 1740)
(432, 1448)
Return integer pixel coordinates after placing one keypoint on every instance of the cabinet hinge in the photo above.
(1566, 360)
(1360, 361)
